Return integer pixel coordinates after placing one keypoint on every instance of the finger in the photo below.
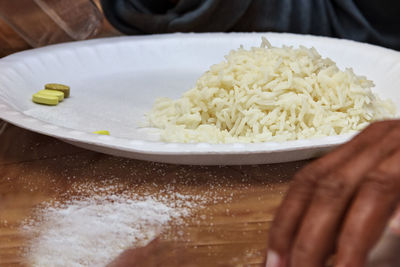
(318, 231)
(293, 207)
(375, 203)
(156, 253)
(394, 225)
(135, 256)
(385, 253)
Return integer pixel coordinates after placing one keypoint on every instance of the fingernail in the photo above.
(394, 223)
(273, 259)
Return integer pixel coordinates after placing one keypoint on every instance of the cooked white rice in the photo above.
(270, 94)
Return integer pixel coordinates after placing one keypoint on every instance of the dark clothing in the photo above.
(372, 21)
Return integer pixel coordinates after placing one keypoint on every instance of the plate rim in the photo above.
(16, 117)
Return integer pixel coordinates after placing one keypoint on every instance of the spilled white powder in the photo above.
(94, 230)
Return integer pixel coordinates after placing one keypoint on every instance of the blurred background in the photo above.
(26, 24)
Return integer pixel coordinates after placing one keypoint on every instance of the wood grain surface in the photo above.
(231, 230)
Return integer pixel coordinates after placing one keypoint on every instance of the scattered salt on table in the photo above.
(94, 230)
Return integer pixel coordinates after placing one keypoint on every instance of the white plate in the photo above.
(115, 81)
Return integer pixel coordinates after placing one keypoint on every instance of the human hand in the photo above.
(156, 253)
(340, 203)
(386, 251)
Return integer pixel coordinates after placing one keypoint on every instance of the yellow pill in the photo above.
(45, 99)
(58, 94)
(58, 87)
(102, 132)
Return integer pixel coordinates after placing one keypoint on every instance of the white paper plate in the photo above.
(115, 81)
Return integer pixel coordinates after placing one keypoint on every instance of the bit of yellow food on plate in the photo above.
(102, 132)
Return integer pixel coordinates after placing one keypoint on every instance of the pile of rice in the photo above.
(270, 94)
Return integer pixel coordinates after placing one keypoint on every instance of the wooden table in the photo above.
(230, 230)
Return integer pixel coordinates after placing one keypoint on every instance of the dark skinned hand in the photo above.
(156, 254)
(340, 203)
